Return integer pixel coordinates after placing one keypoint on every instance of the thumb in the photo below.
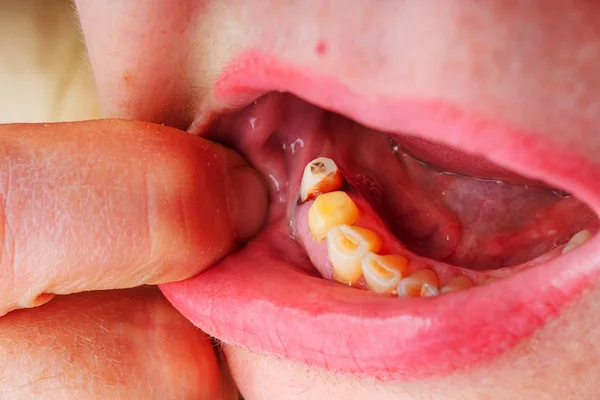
(114, 204)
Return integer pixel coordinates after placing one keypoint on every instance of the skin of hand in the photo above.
(112, 204)
(482, 56)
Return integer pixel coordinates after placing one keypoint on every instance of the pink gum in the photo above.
(317, 250)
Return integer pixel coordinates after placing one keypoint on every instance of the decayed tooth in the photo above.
(346, 247)
(329, 210)
(382, 273)
(321, 175)
(577, 240)
(423, 282)
(459, 282)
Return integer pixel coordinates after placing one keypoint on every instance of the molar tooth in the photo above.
(423, 282)
(330, 210)
(459, 282)
(321, 175)
(346, 247)
(382, 273)
(577, 240)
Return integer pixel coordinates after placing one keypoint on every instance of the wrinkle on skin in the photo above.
(119, 344)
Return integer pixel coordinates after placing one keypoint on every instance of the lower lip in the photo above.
(258, 301)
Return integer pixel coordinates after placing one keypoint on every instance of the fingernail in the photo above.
(248, 201)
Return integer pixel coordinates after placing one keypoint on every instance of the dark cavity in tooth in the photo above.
(317, 168)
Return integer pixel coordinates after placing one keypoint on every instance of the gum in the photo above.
(317, 250)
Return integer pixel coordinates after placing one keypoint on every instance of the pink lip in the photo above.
(271, 308)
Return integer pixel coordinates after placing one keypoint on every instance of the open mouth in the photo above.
(442, 240)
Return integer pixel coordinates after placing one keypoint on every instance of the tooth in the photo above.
(428, 290)
(490, 280)
(382, 273)
(577, 240)
(346, 246)
(423, 282)
(459, 282)
(321, 175)
(330, 210)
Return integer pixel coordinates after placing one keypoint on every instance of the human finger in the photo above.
(116, 204)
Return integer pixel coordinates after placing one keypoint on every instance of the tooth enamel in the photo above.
(382, 273)
(428, 290)
(321, 175)
(577, 240)
(459, 282)
(330, 210)
(346, 247)
(423, 282)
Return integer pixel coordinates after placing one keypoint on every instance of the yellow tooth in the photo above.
(577, 240)
(321, 175)
(428, 290)
(459, 282)
(346, 247)
(382, 273)
(329, 210)
(423, 282)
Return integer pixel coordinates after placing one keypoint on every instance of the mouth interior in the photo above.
(439, 202)
(478, 217)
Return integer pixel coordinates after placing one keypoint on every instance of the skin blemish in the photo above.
(321, 48)
(127, 79)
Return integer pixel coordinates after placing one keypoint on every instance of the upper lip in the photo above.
(306, 319)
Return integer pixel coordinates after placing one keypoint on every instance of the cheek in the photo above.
(559, 361)
(141, 58)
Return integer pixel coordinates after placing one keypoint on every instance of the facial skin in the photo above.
(533, 65)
